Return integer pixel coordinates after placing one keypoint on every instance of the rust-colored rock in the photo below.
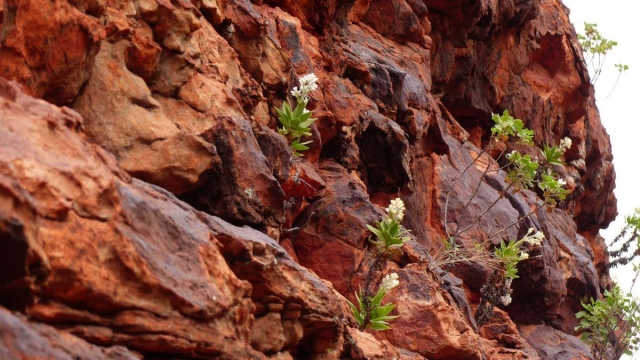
(432, 313)
(24, 340)
(50, 46)
(117, 261)
(108, 259)
(366, 346)
(550, 343)
(333, 240)
(305, 303)
(181, 95)
(241, 187)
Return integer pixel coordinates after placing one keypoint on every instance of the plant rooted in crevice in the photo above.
(497, 291)
(523, 172)
(369, 311)
(296, 122)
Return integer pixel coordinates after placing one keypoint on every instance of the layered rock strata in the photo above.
(156, 212)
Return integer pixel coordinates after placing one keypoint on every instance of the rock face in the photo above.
(21, 339)
(157, 212)
(117, 261)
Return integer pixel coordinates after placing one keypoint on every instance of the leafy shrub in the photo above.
(523, 171)
(612, 323)
(596, 47)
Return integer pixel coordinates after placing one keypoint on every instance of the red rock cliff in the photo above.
(153, 211)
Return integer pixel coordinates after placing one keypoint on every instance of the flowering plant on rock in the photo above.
(369, 311)
(511, 253)
(532, 169)
(523, 171)
(389, 233)
(296, 122)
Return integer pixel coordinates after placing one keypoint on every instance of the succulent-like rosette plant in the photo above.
(388, 231)
(369, 312)
(296, 122)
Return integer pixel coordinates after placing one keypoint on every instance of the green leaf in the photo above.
(388, 240)
(393, 229)
(385, 310)
(295, 145)
(376, 232)
(377, 299)
(379, 325)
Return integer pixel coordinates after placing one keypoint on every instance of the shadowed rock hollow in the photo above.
(149, 208)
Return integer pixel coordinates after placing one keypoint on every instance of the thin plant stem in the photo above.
(517, 221)
(622, 343)
(485, 211)
(486, 170)
(446, 203)
(614, 86)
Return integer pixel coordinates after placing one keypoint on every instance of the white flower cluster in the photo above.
(565, 144)
(506, 299)
(562, 182)
(533, 239)
(308, 83)
(396, 209)
(389, 282)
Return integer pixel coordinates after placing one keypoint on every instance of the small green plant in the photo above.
(596, 47)
(510, 253)
(523, 171)
(296, 122)
(522, 174)
(506, 126)
(388, 231)
(611, 325)
(369, 311)
(498, 289)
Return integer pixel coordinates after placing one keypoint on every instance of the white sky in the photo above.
(616, 20)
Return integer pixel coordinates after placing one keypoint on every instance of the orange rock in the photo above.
(181, 94)
(50, 46)
(122, 262)
(23, 339)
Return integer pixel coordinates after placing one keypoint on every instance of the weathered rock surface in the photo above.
(550, 343)
(180, 94)
(22, 339)
(117, 261)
